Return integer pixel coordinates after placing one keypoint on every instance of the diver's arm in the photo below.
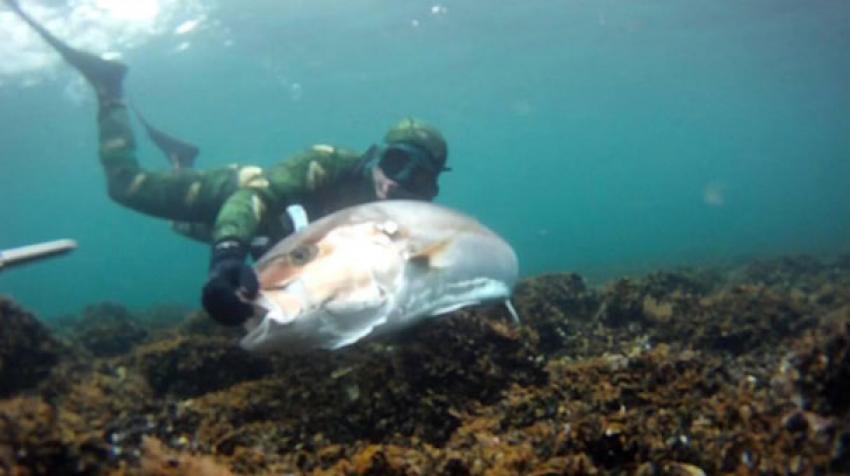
(309, 172)
(287, 183)
(187, 195)
(231, 280)
(240, 216)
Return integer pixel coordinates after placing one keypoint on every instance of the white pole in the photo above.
(37, 251)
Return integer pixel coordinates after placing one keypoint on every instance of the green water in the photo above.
(602, 137)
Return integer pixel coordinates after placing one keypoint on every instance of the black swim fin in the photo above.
(181, 154)
(105, 76)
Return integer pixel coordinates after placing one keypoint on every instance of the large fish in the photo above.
(372, 269)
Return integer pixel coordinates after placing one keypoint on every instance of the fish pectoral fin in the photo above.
(512, 311)
(355, 302)
(351, 316)
(353, 324)
(453, 307)
(350, 337)
(433, 255)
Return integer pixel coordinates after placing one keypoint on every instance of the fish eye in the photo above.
(303, 254)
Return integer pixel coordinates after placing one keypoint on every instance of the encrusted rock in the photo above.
(822, 369)
(672, 373)
(555, 306)
(38, 439)
(105, 329)
(190, 366)
(27, 349)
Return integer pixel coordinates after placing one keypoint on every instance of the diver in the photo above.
(242, 209)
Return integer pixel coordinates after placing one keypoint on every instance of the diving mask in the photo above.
(411, 167)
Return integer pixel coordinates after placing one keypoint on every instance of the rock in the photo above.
(27, 349)
(106, 330)
(822, 368)
(671, 373)
(191, 366)
(555, 306)
(37, 438)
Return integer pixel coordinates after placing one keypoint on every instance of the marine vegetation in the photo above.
(744, 370)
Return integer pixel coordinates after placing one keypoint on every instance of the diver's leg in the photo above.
(188, 195)
(183, 195)
(127, 183)
(105, 76)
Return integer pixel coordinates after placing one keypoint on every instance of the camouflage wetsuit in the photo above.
(230, 203)
(235, 205)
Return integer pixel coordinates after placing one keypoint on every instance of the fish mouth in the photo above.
(289, 317)
(270, 313)
(258, 331)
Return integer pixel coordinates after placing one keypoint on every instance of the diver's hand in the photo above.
(231, 282)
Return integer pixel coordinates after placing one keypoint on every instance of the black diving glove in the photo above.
(230, 277)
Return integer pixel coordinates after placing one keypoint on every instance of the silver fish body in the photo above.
(373, 269)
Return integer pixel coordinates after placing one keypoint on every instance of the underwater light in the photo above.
(104, 27)
(137, 10)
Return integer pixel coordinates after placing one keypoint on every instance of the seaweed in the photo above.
(740, 370)
(28, 351)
